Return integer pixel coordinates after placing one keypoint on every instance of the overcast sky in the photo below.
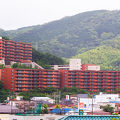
(20, 13)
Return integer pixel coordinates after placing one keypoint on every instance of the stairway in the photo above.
(36, 65)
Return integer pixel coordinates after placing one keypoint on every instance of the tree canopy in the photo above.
(4, 93)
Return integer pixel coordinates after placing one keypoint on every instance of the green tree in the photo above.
(50, 90)
(1, 85)
(4, 93)
(102, 90)
(108, 108)
(5, 38)
(57, 106)
(46, 59)
(115, 119)
(45, 109)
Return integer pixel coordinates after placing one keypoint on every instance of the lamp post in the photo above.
(11, 101)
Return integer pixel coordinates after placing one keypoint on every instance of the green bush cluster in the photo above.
(49, 91)
(17, 65)
(107, 108)
(4, 93)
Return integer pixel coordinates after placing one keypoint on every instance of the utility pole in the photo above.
(78, 104)
(92, 104)
(54, 97)
(11, 101)
(59, 96)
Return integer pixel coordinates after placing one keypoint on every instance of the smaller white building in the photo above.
(60, 67)
(47, 99)
(90, 67)
(105, 97)
(97, 100)
(75, 64)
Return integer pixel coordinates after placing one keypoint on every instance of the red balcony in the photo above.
(95, 83)
(44, 79)
(81, 80)
(81, 87)
(116, 84)
(24, 89)
(89, 87)
(44, 83)
(103, 84)
(95, 73)
(108, 80)
(108, 87)
(53, 83)
(1, 48)
(81, 83)
(95, 87)
(108, 90)
(95, 90)
(95, 80)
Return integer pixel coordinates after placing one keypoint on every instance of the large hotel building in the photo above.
(11, 51)
(26, 79)
(88, 77)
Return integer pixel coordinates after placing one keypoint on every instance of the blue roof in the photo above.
(115, 101)
(58, 111)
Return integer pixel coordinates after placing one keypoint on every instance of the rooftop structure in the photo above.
(74, 64)
(60, 67)
(43, 99)
(90, 67)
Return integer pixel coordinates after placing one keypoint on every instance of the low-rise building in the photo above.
(90, 67)
(47, 99)
(74, 64)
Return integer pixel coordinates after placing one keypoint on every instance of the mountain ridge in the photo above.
(74, 35)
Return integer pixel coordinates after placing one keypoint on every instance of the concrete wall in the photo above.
(4, 117)
(41, 117)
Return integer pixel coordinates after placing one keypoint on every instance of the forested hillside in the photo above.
(46, 59)
(71, 35)
(92, 36)
(106, 55)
